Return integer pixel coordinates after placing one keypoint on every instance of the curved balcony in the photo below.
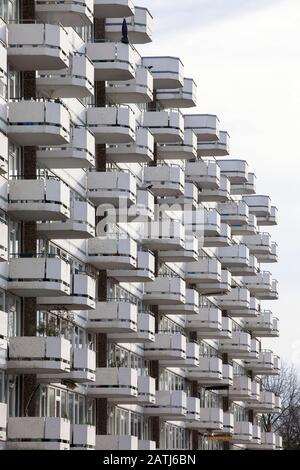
(190, 307)
(234, 256)
(118, 384)
(170, 405)
(112, 125)
(242, 432)
(111, 187)
(166, 347)
(205, 174)
(77, 81)
(144, 271)
(255, 394)
(3, 422)
(218, 148)
(207, 323)
(166, 126)
(79, 153)
(139, 27)
(39, 199)
(221, 287)
(41, 275)
(141, 151)
(205, 126)
(112, 253)
(188, 201)
(3, 240)
(42, 355)
(67, 12)
(188, 254)
(252, 311)
(83, 437)
(247, 188)
(82, 369)
(220, 194)
(3, 151)
(113, 8)
(165, 234)
(241, 389)
(227, 379)
(165, 291)
(112, 60)
(238, 298)
(167, 72)
(221, 239)
(116, 316)
(143, 209)
(165, 180)
(270, 220)
(247, 270)
(211, 419)
(238, 346)
(38, 47)
(185, 97)
(203, 271)
(137, 90)
(209, 372)
(105, 442)
(235, 170)
(263, 365)
(144, 334)
(185, 150)
(38, 122)
(258, 205)
(234, 213)
(268, 441)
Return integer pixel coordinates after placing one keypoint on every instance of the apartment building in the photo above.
(134, 282)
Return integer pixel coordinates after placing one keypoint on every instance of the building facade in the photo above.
(134, 282)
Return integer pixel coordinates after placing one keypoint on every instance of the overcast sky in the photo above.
(245, 58)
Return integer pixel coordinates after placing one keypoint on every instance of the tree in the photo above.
(287, 422)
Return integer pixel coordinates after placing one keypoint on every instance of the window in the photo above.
(9, 10)
(14, 396)
(14, 160)
(13, 309)
(174, 437)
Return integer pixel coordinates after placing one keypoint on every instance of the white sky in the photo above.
(245, 57)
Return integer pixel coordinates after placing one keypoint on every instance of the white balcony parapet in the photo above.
(38, 46)
(68, 12)
(111, 187)
(211, 419)
(238, 346)
(139, 27)
(259, 244)
(38, 122)
(210, 371)
(207, 322)
(219, 148)
(235, 170)
(80, 225)
(146, 445)
(113, 8)
(242, 432)
(185, 97)
(79, 153)
(220, 194)
(255, 393)
(77, 81)
(112, 253)
(116, 383)
(165, 290)
(39, 199)
(166, 347)
(3, 239)
(136, 90)
(219, 287)
(247, 188)
(234, 213)
(266, 403)
(112, 125)
(227, 379)
(166, 126)
(43, 355)
(145, 331)
(258, 205)
(28, 433)
(234, 256)
(167, 72)
(146, 390)
(262, 325)
(185, 150)
(270, 220)
(205, 174)
(171, 405)
(221, 239)
(116, 316)
(268, 441)
(193, 410)
(165, 234)
(190, 307)
(252, 311)
(262, 285)
(141, 151)
(39, 276)
(205, 126)
(3, 148)
(241, 389)
(188, 201)
(112, 60)
(278, 442)
(263, 365)
(82, 294)
(109, 442)
(188, 254)
(248, 228)
(165, 180)
(83, 437)
(238, 298)
(3, 421)
(203, 271)
(143, 209)
(144, 271)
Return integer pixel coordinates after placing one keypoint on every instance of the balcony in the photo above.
(271, 257)
(211, 227)
(167, 127)
(270, 220)
(192, 358)
(262, 286)
(268, 441)
(143, 209)
(3, 421)
(238, 298)
(185, 97)
(164, 290)
(210, 419)
(3, 239)
(112, 125)
(117, 316)
(227, 379)
(205, 126)
(235, 170)
(209, 372)
(263, 365)
(166, 347)
(80, 225)
(188, 254)
(266, 403)
(234, 213)
(234, 256)
(193, 411)
(38, 122)
(69, 13)
(220, 194)
(170, 405)
(278, 442)
(38, 47)
(83, 368)
(190, 307)
(77, 81)
(144, 334)
(278, 404)
(249, 228)
(247, 188)
(82, 294)
(219, 148)
(108, 442)
(3, 148)
(136, 90)
(165, 234)
(228, 423)
(38, 434)
(248, 270)
(146, 390)
(139, 27)
(205, 174)
(242, 432)
(83, 437)
(222, 239)
(258, 205)
(255, 394)
(79, 153)
(259, 244)
(167, 72)
(241, 389)
(185, 150)
(37, 354)
(207, 323)
(39, 199)
(203, 271)
(111, 187)
(3, 328)
(144, 271)
(118, 384)
(146, 445)
(188, 200)
(113, 61)
(251, 312)
(165, 180)
(262, 325)
(238, 346)
(113, 9)
(39, 276)
(141, 151)
(221, 287)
